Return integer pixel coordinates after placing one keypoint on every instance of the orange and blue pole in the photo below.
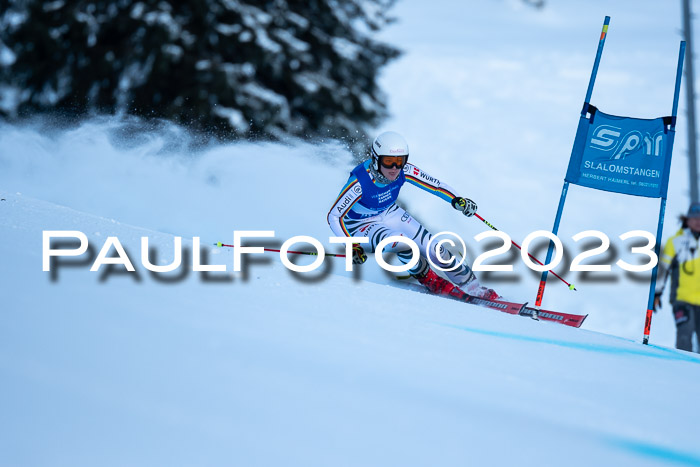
(662, 209)
(565, 188)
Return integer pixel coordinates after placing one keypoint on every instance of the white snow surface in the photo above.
(326, 368)
(271, 368)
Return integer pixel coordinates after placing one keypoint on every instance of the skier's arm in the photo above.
(421, 179)
(349, 195)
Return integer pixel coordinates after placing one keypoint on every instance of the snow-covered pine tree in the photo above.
(234, 68)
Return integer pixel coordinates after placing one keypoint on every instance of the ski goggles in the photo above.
(392, 162)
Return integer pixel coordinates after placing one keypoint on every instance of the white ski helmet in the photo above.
(388, 143)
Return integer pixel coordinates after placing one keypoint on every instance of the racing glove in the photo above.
(358, 254)
(467, 206)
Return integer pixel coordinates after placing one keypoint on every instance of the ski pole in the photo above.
(219, 244)
(571, 286)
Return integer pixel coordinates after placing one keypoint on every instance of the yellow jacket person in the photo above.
(680, 261)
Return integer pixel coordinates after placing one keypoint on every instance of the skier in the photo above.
(366, 207)
(681, 260)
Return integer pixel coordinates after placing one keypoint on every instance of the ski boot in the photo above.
(435, 283)
(477, 290)
(440, 286)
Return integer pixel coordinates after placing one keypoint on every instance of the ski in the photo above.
(515, 308)
(567, 319)
(512, 308)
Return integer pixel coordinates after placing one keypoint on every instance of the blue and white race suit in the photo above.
(367, 208)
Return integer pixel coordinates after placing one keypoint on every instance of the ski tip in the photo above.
(579, 322)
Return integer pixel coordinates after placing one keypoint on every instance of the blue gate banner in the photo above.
(622, 155)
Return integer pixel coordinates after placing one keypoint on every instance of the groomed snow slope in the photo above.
(114, 368)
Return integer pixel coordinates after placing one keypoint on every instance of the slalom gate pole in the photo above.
(654, 272)
(550, 250)
(219, 244)
(565, 189)
(596, 63)
(662, 207)
(571, 286)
